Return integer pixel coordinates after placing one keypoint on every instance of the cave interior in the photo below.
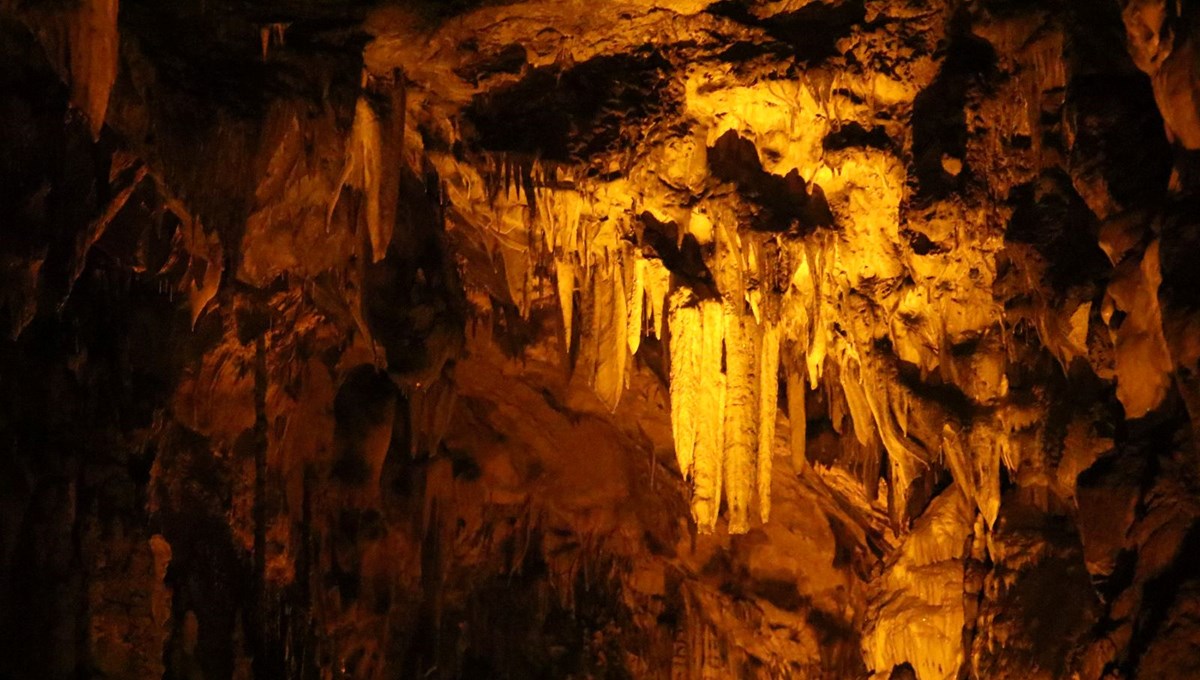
(535, 339)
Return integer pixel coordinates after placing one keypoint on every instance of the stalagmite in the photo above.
(739, 416)
(768, 396)
(916, 607)
(710, 449)
(687, 340)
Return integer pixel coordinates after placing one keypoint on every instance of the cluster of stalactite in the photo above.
(724, 348)
(726, 342)
(790, 317)
(841, 305)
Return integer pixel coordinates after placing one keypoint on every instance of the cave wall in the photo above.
(740, 339)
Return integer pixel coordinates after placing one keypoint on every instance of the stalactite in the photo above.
(372, 158)
(877, 408)
(525, 285)
(92, 49)
(687, 339)
(609, 323)
(818, 346)
(974, 460)
(822, 296)
(363, 170)
(658, 286)
(636, 307)
(768, 397)
(710, 449)
(904, 458)
(270, 35)
(729, 269)
(205, 261)
(856, 398)
(740, 415)
(797, 417)
(565, 286)
(96, 229)
(989, 449)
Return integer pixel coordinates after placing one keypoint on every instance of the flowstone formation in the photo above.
(788, 338)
